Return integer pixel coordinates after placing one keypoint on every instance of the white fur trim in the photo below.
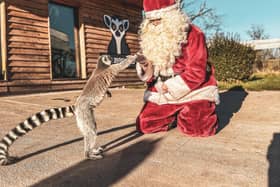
(154, 97)
(210, 93)
(157, 14)
(177, 87)
(144, 76)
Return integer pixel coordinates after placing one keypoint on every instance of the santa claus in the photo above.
(182, 89)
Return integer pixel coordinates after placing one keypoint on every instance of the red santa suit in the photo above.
(192, 89)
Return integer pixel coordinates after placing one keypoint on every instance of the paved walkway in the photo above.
(245, 152)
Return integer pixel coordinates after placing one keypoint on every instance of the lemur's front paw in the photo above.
(132, 58)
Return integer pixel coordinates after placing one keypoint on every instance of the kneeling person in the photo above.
(181, 84)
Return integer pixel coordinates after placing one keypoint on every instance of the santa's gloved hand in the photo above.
(141, 58)
(144, 70)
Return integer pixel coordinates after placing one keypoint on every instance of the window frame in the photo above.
(77, 40)
(3, 37)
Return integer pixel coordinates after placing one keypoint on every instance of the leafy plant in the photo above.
(232, 60)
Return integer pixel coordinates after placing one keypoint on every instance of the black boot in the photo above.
(172, 125)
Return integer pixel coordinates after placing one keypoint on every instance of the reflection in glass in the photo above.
(62, 25)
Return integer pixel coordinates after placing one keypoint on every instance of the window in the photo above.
(3, 47)
(64, 44)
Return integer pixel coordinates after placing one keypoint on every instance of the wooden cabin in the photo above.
(50, 45)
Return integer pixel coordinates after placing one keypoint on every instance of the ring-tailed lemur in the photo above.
(92, 95)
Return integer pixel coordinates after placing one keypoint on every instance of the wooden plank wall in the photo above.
(28, 51)
(98, 36)
(29, 66)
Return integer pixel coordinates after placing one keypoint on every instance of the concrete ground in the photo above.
(245, 152)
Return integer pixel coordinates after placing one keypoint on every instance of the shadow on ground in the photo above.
(231, 102)
(273, 157)
(105, 172)
(110, 145)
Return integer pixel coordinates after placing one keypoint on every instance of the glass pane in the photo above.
(62, 24)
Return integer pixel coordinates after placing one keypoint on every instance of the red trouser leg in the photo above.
(198, 118)
(155, 118)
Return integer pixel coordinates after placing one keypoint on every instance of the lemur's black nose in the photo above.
(118, 34)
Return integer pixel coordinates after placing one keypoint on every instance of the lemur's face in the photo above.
(118, 27)
(106, 59)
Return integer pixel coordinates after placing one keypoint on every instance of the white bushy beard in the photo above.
(161, 44)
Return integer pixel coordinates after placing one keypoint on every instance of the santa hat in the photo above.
(154, 9)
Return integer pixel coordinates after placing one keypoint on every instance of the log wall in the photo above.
(28, 42)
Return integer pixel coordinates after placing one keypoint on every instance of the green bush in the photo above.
(232, 60)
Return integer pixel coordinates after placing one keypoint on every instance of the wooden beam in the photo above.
(50, 48)
(77, 42)
(83, 51)
(3, 38)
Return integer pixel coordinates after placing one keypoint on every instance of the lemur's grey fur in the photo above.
(91, 96)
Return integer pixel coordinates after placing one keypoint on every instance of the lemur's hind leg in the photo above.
(91, 152)
(87, 125)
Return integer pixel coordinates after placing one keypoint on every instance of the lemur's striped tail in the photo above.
(28, 125)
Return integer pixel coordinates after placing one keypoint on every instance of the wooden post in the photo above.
(3, 38)
(83, 51)
(50, 47)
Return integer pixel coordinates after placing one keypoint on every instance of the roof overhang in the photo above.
(263, 44)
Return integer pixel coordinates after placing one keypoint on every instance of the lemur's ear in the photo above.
(125, 24)
(107, 21)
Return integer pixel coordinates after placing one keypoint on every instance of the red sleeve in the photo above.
(194, 74)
